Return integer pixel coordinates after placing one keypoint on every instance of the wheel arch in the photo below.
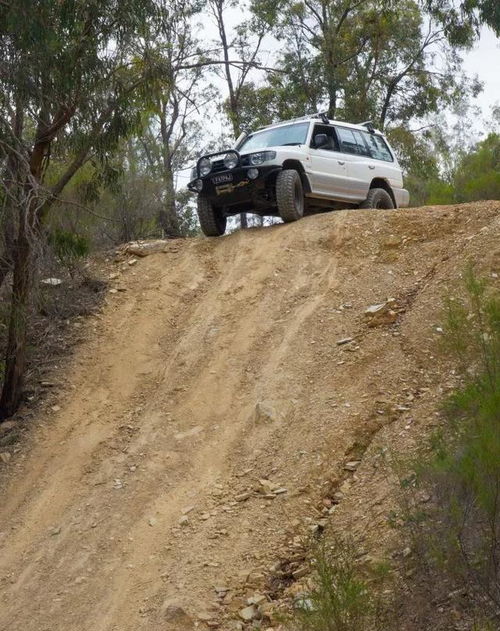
(380, 182)
(298, 166)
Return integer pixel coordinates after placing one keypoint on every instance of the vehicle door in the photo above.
(327, 171)
(382, 161)
(358, 161)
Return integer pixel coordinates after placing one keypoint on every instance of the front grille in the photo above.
(218, 165)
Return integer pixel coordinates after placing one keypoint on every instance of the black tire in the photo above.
(212, 221)
(378, 198)
(289, 195)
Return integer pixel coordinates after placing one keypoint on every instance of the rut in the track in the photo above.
(130, 498)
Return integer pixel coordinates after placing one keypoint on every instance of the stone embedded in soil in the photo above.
(345, 340)
(352, 465)
(7, 425)
(271, 411)
(249, 613)
(175, 613)
(242, 497)
(383, 313)
(266, 487)
(300, 572)
(256, 599)
(5, 457)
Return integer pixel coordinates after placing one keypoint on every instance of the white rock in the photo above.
(54, 282)
(249, 613)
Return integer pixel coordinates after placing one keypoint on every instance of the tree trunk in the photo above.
(15, 358)
(169, 220)
(8, 244)
(243, 221)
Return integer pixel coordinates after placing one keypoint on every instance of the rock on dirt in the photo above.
(6, 426)
(380, 314)
(250, 613)
(144, 248)
(176, 614)
(271, 411)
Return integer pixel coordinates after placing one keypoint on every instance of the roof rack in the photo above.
(369, 126)
(323, 116)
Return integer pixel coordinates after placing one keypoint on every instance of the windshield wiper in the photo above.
(290, 144)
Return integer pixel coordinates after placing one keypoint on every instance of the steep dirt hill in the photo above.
(224, 363)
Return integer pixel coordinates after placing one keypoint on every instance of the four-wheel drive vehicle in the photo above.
(295, 168)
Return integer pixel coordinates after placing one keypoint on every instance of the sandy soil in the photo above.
(218, 366)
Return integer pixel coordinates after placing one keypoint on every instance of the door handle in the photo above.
(371, 167)
(342, 162)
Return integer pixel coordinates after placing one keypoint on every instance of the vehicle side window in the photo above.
(378, 147)
(362, 148)
(329, 131)
(347, 141)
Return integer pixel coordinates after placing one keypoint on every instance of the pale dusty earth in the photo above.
(136, 503)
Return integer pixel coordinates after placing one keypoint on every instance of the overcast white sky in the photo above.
(484, 60)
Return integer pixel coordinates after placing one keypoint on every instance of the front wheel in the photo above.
(378, 198)
(289, 195)
(212, 221)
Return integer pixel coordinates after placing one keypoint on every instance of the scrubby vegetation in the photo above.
(456, 535)
(340, 599)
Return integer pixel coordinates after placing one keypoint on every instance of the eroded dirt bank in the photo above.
(219, 365)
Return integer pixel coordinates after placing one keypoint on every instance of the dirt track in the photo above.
(159, 415)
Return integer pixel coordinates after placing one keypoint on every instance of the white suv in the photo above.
(295, 168)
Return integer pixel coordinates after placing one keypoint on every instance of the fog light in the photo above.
(198, 185)
(253, 173)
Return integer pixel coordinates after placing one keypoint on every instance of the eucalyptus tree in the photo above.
(73, 77)
(369, 59)
(458, 15)
(245, 41)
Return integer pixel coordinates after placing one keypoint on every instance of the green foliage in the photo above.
(68, 246)
(365, 60)
(458, 20)
(477, 175)
(474, 173)
(340, 600)
(464, 468)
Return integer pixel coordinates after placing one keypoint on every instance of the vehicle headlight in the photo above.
(230, 160)
(261, 156)
(205, 166)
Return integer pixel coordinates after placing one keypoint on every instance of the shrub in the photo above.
(68, 247)
(464, 467)
(340, 599)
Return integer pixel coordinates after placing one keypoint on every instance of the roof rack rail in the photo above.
(323, 116)
(369, 126)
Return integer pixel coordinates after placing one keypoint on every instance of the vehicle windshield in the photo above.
(294, 134)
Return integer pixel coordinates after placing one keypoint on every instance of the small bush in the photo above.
(340, 600)
(68, 247)
(460, 532)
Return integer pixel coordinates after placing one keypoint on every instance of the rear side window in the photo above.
(351, 141)
(378, 147)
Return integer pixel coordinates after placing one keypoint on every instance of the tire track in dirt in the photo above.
(161, 416)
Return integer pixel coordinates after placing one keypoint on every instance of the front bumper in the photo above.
(233, 187)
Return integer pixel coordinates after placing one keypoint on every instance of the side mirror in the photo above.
(320, 140)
